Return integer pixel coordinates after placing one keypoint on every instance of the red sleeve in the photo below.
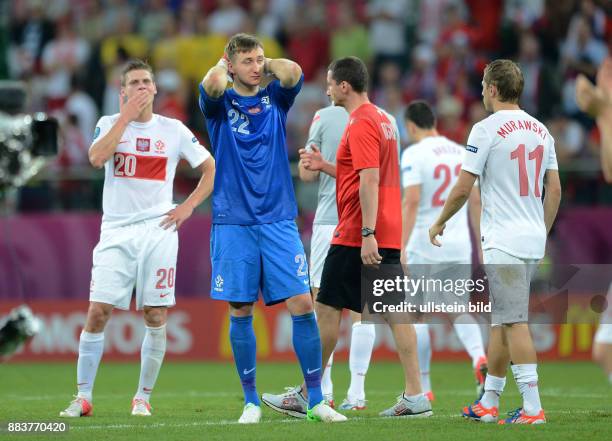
(364, 143)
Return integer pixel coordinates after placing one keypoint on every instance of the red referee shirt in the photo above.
(369, 141)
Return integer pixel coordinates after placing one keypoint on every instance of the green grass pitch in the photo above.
(202, 401)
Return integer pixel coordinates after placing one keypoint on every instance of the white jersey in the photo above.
(138, 179)
(434, 163)
(511, 151)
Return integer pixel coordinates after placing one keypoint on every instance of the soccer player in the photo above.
(513, 155)
(369, 221)
(430, 168)
(254, 240)
(597, 101)
(139, 151)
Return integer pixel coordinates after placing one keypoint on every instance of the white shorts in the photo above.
(322, 236)
(509, 283)
(604, 331)
(141, 254)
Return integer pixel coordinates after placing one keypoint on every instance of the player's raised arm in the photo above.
(215, 80)
(288, 72)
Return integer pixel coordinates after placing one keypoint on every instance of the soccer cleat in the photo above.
(250, 415)
(518, 416)
(140, 407)
(291, 403)
(480, 372)
(353, 405)
(329, 399)
(323, 413)
(421, 407)
(430, 396)
(78, 407)
(478, 412)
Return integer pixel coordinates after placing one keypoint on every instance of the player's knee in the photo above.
(97, 316)
(241, 309)
(300, 305)
(598, 351)
(155, 316)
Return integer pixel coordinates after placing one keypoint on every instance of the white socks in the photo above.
(327, 387)
(151, 357)
(470, 335)
(424, 354)
(494, 386)
(362, 343)
(526, 377)
(91, 347)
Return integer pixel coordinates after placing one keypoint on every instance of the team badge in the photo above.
(160, 147)
(143, 144)
(96, 132)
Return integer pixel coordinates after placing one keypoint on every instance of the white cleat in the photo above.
(140, 407)
(250, 415)
(323, 413)
(78, 407)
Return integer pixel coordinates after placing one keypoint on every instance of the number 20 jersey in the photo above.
(434, 163)
(138, 179)
(511, 151)
(253, 182)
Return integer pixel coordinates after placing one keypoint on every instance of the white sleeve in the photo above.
(552, 156)
(103, 126)
(315, 132)
(411, 168)
(477, 150)
(190, 148)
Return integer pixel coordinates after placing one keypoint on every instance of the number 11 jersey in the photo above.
(511, 151)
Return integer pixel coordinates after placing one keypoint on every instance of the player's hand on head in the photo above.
(369, 251)
(435, 231)
(177, 216)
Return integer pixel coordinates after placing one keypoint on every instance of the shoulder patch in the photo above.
(471, 148)
(96, 132)
(194, 139)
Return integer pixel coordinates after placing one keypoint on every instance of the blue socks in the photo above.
(242, 338)
(307, 345)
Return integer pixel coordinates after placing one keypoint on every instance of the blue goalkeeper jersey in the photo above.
(253, 182)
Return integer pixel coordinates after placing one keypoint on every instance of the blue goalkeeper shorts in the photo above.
(250, 258)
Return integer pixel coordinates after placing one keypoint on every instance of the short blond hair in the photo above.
(506, 75)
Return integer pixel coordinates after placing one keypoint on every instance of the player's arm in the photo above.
(306, 175)
(410, 206)
(474, 212)
(552, 197)
(312, 161)
(368, 197)
(204, 188)
(104, 149)
(215, 80)
(288, 72)
(456, 199)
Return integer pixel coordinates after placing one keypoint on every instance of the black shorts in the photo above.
(341, 278)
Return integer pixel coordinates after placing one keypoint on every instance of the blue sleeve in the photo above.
(284, 97)
(211, 107)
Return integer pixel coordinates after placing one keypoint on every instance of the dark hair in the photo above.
(241, 43)
(353, 71)
(506, 75)
(135, 64)
(420, 113)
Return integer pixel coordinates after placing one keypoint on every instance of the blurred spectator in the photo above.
(523, 13)
(389, 76)
(227, 19)
(30, 32)
(390, 99)
(486, 17)
(114, 11)
(594, 16)
(349, 37)
(171, 95)
(62, 57)
(81, 104)
(431, 14)
(124, 37)
(166, 52)
(569, 137)
(188, 17)
(154, 19)
(266, 23)
(387, 31)
(74, 150)
(450, 123)
(420, 83)
(308, 45)
(90, 22)
(110, 103)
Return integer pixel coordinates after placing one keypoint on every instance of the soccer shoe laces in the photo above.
(514, 414)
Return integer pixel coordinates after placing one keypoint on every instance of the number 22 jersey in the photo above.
(138, 179)
(511, 151)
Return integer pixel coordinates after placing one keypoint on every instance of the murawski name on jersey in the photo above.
(512, 126)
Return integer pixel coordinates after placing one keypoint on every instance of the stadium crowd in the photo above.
(70, 53)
